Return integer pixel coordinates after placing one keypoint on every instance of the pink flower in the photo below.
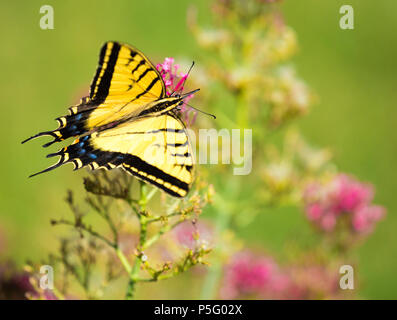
(365, 218)
(251, 275)
(174, 82)
(339, 198)
(173, 79)
(312, 281)
(352, 194)
(328, 222)
(314, 211)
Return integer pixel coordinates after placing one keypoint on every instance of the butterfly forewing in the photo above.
(135, 82)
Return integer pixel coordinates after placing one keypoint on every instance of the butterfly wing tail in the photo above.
(45, 133)
(48, 169)
(68, 126)
(60, 162)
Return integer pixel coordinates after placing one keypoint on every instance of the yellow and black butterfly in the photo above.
(127, 121)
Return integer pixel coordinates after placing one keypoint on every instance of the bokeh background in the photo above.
(353, 72)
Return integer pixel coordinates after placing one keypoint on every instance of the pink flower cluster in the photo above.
(342, 198)
(314, 281)
(174, 82)
(172, 78)
(249, 275)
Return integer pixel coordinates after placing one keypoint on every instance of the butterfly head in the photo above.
(178, 99)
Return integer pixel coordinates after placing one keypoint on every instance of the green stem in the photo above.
(211, 281)
(123, 260)
(166, 217)
(134, 271)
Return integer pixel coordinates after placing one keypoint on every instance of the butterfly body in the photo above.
(127, 121)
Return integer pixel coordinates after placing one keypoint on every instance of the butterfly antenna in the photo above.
(189, 93)
(187, 75)
(201, 111)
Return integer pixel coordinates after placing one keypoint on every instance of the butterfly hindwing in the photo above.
(158, 148)
(154, 149)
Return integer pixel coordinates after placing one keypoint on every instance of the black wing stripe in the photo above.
(183, 155)
(98, 71)
(151, 84)
(166, 130)
(143, 166)
(176, 145)
(143, 74)
(159, 185)
(102, 89)
(142, 62)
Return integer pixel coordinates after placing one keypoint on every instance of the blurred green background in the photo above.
(45, 71)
